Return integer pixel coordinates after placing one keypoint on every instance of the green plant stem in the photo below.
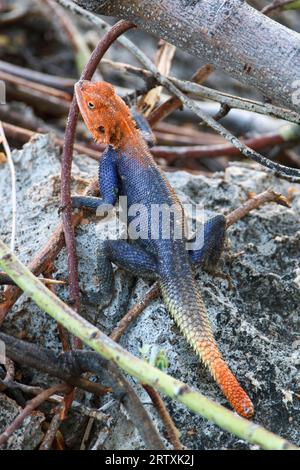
(144, 372)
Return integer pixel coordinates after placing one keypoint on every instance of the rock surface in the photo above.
(256, 323)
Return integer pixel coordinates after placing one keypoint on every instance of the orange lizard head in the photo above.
(105, 113)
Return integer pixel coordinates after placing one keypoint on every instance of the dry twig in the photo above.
(45, 256)
(276, 6)
(31, 405)
(69, 365)
(87, 74)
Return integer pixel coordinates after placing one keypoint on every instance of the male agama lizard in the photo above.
(127, 168)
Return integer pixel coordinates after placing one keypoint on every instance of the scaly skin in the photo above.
(127, 168)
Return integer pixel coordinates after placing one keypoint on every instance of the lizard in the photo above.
(127, 168)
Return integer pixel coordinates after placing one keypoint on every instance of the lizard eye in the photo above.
(91, 105)
(101, 129)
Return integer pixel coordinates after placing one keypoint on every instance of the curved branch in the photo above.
(66, 167)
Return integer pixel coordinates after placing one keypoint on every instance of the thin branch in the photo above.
(163, 62)
(87, 433)
(200, 91)
(152, 293)
(57, 399)
(24, 135)
(51, 432)
(28, 389)
(46, 254)
(82, 51)
(36, 87)
(5, 280)
(66, 345)
(219, 150)
(96, 414)
(276, 6)
(96, 20)
(172, 431)
(136, 410)
(11, 165)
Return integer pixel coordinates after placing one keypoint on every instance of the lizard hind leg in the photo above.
(104, 292)
(131, 257)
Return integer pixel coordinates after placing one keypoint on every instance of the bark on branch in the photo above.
(230, 34)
